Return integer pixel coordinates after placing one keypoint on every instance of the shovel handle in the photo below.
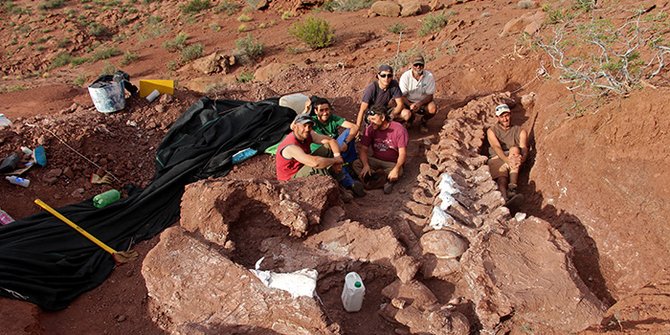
(75, 227)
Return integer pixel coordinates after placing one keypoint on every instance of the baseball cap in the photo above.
(303, 118)
(502, 109)
(418, 60)
(385, 67)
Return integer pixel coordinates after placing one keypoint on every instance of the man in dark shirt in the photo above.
(381, 92)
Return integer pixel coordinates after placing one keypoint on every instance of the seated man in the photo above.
(508, 149)
(381, 92)
(327, 123)
(388, 140)
(418, 86)
(293, 154)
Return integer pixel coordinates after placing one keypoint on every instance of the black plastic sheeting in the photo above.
(44, 261)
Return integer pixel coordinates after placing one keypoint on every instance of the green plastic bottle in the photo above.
(104, 199)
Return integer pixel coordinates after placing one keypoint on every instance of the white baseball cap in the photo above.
(502, 109)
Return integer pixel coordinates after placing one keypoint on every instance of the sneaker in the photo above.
(423, 128)
(345, 178)
(388, 188)
(358, 189)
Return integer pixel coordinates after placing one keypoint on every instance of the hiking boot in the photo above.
(423, 128)
(358, 189)
(346, 195)
(514, 202)
(388, 188)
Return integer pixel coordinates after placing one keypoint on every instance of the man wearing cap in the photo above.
(381, 92)
(293, 153)
(508, 149)
(388, 141)
(418, 86)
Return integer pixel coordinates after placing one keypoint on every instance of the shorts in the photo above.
(498, 168)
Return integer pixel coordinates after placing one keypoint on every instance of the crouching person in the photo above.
(293, 153)
(383, 147)
(507, 152)
(328, 124)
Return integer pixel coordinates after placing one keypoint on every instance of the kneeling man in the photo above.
(293, 153)
(388, 140)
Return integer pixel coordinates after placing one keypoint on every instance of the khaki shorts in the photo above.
(498, 168)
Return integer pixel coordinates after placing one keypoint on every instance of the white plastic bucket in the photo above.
(294, 101)
(107, 96)
(353, 292)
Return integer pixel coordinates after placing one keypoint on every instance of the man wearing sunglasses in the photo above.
(418, 86)
(387, 140)
(381, 92)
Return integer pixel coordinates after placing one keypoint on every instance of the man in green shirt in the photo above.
(329, 124)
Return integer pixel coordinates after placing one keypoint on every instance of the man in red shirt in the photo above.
(293, 154)
(388, 140)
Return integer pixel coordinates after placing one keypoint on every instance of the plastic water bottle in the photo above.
(106, 198)
(5, 218)
(353, 292)
(18, 181)
(243, 155)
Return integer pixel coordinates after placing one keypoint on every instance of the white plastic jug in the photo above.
(353, 292)
(294, 101)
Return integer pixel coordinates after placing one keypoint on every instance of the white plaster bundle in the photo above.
(301, 283)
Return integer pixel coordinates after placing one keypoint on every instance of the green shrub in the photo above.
(433, 23)
(244, 18)
(227, 7)
(244, 27)
(12, 8)
(397, 28)
(248, 47)
(63, 58)
(97, 29)
(191, 52)
(51, 4)
(195, 6)
(245, 77)
(78, 61)
(286, 15)
(315, 32)
(106, 53)
(80, 80)
(129, 57)
(585, 5)
(108, 69)
(346, 5)
(178, 43)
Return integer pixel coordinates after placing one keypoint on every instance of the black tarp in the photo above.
(44, 261)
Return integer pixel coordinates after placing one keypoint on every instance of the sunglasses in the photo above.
(386, 75)
(418, 65)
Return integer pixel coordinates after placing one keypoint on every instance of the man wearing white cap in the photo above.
(418, 86)
(508, 149)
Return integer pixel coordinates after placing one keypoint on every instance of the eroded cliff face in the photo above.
(601, 180)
